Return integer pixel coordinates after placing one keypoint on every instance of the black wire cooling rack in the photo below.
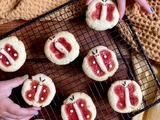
(70, 78)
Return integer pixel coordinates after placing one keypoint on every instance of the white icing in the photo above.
(44, 90)
(1, 56)
(39, 88)
(94, 62)
(34, 86)
(15, 54)
(82, 105)
(103, 12)
(98, 71)
(61, 48)
(105, 56)
(88, 116)
(101, 64)
(127, 100)
(71, 111)
(110, 66)
(7, 63)
(9, 49)
(42, 98)
(10, 59)
(79, 115)
(29, 95)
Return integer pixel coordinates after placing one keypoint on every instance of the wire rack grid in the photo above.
(70, 78)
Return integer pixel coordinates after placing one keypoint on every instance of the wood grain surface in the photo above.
(67, 81)
(10, 25)
(69, 78)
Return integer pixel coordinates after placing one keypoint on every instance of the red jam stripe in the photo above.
(95, 67)
(44, 93)
(71, 112)
(107, 61)
(33, 88)
(4, 60)
(110, 9)
(12, 52)
(120, 92)
(133, 98)
(97, 13)
(57, 53)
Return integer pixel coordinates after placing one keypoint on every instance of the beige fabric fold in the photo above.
(26, 9)
(146, 26)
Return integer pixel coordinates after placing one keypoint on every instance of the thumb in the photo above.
(121, 7)
(15, 82)
(145, 6)
(88, 2)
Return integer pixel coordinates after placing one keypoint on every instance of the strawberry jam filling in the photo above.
(94, 66)
(11, 52)
(71, 111)
(4, 60)
(120, 92)
(109, 11)
(57, 53)
(107, 61)
(33, 89)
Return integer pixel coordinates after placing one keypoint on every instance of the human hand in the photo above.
(8, 109)
(145, 7)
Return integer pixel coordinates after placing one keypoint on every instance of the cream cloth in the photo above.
(147, 28)
(26, 9)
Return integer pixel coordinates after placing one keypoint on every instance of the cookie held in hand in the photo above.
(38, 91)
(102, 15)
(78, 106)
(125, 96)
(62, 48)
(12, 54)
(100, 63)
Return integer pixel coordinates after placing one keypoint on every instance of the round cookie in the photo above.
(102, 15)
(38, 91)
(125, 96)
(78, 106)
(12, 54)
(62, 48)
(100, 63)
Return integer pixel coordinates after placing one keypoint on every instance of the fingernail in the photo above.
(151, 9)
(25, 76)
(36, 113)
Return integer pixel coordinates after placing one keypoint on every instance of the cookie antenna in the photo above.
(104, 0)
(93, 53)
(50, 39)
(43, 80)
(124, 83)
(72, 98)
(40, 79)
(96, 51)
